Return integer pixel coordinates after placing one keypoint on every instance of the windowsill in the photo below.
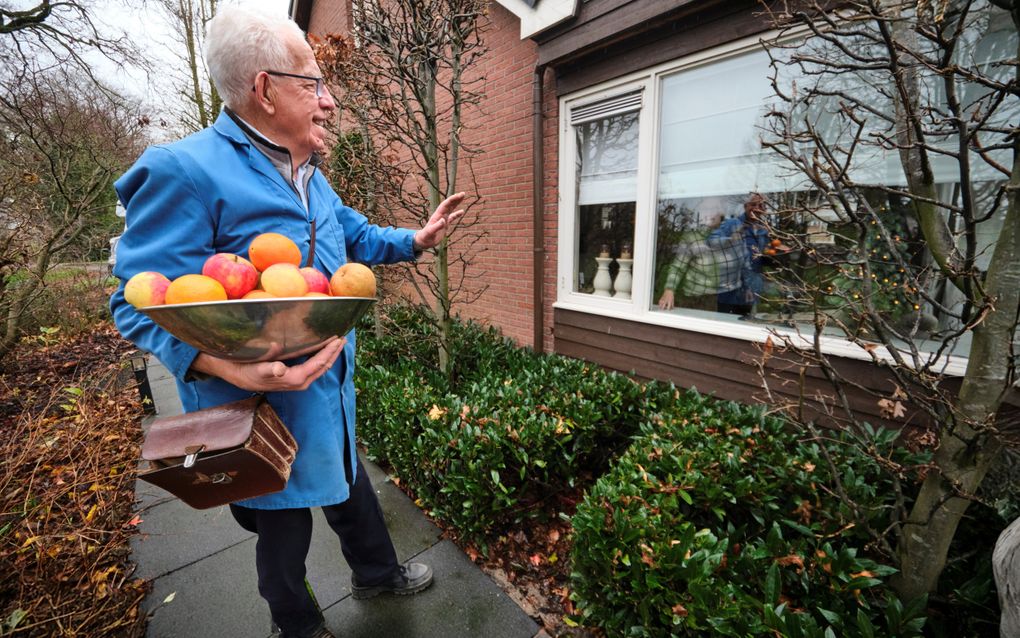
(752, 330)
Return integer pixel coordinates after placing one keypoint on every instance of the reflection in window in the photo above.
(712, 253)
(607, 158)
(804, 254)
(712, 229)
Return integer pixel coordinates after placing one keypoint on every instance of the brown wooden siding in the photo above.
(610, 38)
(715, 365)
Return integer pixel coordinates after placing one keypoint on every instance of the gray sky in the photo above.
(149, 30)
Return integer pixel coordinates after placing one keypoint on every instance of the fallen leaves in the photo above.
(70, 439)
(793, 559)
(529, 567)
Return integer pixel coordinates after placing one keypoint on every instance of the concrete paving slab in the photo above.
(219, 585)
(462, 603)
(408, 526)
(148, 495)
(328, 572)
(207, 562)
(167, 402)
(174, 535)
(215, 597)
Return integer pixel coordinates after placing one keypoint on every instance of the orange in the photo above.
(353, 280)
(284, 280)
(193, 289)
(273, 248)
(257, 294)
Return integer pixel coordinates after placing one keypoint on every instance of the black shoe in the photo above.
(409, 579)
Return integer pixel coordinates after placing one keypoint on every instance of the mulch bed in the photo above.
(69, 431)
(531, 564)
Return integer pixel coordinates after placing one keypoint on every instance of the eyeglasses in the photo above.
(318, 81)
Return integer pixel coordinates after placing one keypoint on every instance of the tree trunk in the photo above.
(968, 446)
(968, 450)
(1006, 566)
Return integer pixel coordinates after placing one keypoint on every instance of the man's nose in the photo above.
(326, 99)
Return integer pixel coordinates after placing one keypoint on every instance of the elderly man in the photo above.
(254, 171)
(741, 281)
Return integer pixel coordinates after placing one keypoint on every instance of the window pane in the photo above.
(710, 137)
(711, 258)
(709, 250)
(607, 158)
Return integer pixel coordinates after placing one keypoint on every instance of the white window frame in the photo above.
(638, 308)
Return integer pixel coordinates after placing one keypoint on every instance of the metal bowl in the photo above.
(249, 330)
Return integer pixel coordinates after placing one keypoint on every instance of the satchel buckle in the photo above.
(221, 478)
(191, 454)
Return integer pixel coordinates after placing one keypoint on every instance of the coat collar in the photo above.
(264, 155)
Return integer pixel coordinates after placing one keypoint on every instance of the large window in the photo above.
(675, 214)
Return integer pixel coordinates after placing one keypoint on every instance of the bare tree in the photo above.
(407, 83)
(901, 231)
(355, 167)
(60, 151)
(191, 83)
(55, 34)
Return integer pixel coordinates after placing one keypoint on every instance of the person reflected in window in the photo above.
(692, 275)
(743, 239)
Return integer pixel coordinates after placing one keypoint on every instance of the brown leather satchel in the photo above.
(220, 455)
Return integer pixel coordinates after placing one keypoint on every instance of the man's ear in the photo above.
(265, 95)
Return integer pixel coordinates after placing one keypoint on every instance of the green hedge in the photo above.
(707, 518)
(718, 522)
(515, 431)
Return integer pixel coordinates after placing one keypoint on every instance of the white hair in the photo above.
(240, 43)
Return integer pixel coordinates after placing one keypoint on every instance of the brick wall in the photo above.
(330, 16)
(502, 128)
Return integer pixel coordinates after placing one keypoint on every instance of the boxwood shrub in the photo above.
(497, 447)
(718, 521)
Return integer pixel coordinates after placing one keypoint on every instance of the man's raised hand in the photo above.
(439, 224)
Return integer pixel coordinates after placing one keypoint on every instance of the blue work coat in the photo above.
(741, 280)
(213, 192)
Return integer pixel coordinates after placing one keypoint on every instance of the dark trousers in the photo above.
(735, 309)
(285, 535)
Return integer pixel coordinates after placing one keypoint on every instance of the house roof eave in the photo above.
(537, 15)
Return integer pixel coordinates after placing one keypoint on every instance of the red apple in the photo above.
(317, 282)
(145, 289)
(237, 275)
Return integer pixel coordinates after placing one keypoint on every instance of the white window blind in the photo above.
(713, 122)
(607, 149)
